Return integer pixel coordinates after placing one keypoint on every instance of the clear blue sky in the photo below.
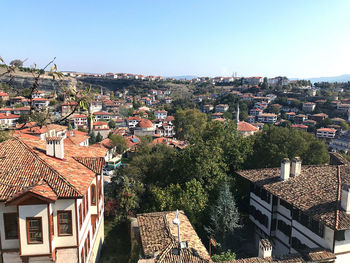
(296, 38)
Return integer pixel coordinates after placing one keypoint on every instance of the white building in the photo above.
(302, 208)
(161, 114)
(55, 211)
(326, 133)
(221, 108)
(8, 120)
(267, 118)
(309, 106)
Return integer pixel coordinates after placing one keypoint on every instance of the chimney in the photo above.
(285, 169)
(296, 166)
(265, 248)
(345, 198)
(55, 147)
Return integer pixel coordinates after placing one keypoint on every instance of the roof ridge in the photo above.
(336, 223)
(48, 166)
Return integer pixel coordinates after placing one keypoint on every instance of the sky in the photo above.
(293, 38)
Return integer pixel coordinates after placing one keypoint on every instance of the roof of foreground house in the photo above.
(159, 237)
(24, 166)
(316, 191)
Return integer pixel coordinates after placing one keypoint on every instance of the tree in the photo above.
(275, 143)
(118, 142)
(224, 217)
(344, 126)
(92, 139)
(112, 124)
(224, 256)
(189, 123)
(4, 136)
(16, 63)
(99, 137)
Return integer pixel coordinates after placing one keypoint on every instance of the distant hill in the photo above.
(341, 78)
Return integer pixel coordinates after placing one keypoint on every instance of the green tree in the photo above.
(118, 142)
(224, 256)
(275, 143)
(92, 139)
(4, 136)
(344, 126)
(112, 124)
(224, 217)
(99, 137)
(189, 123)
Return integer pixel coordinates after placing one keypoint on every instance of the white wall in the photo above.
(67, 205)
(34, 211)
(343, 246)
(264, 211)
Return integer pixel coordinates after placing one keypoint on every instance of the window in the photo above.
(64, 222)
(80, 216)
(93, 194)
(340, 235)
(34, 230)
(11, 225)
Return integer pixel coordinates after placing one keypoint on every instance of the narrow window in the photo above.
(93, 194)
(34, 230)
(11, 226)
(64, 223)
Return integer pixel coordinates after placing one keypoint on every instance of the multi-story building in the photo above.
(255, 112)
(270, 118)
(80, 120)
(301, 208)
(67, 107)
(326, 133)
(105, 116)
(221, 108)
(51, 201)
(8, 120)
(309, 106)
(161, 114)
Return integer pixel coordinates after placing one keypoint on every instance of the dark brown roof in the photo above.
(315, 191)
(159, 237)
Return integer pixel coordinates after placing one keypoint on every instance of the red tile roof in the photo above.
(246, 127)
(144, 123)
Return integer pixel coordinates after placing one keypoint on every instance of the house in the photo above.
(102, 116)
(55, 211)
(41, 103)
(221, 108)
(309, 106)
(131, 122)
(302, 208)
(300, 127)
(4, 96)
(144, 127)
(31, 129)
(8, 120)
(290, 116)
(165, 130)
(67, 107)
(318, 117)
(80, 120)
(207, 108)
(252, 81)
(246, 129)
(299, 118)
(342, 143)
(158, 236)
(38, 94)
(343, 107)
(161, 114)
(326, 133)
(267, 118)
(255, 112)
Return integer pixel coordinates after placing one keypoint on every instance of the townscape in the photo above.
(175, 131)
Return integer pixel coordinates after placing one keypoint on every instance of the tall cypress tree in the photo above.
(224, 217)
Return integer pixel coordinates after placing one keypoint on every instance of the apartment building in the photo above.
(309, 106)
(326, 133)
(301, 208)
(161, 114)
(51, 201)
(267, 118)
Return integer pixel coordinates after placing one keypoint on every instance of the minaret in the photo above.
(237, 114)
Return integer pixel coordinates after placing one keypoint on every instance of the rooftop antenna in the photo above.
(181, 245)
